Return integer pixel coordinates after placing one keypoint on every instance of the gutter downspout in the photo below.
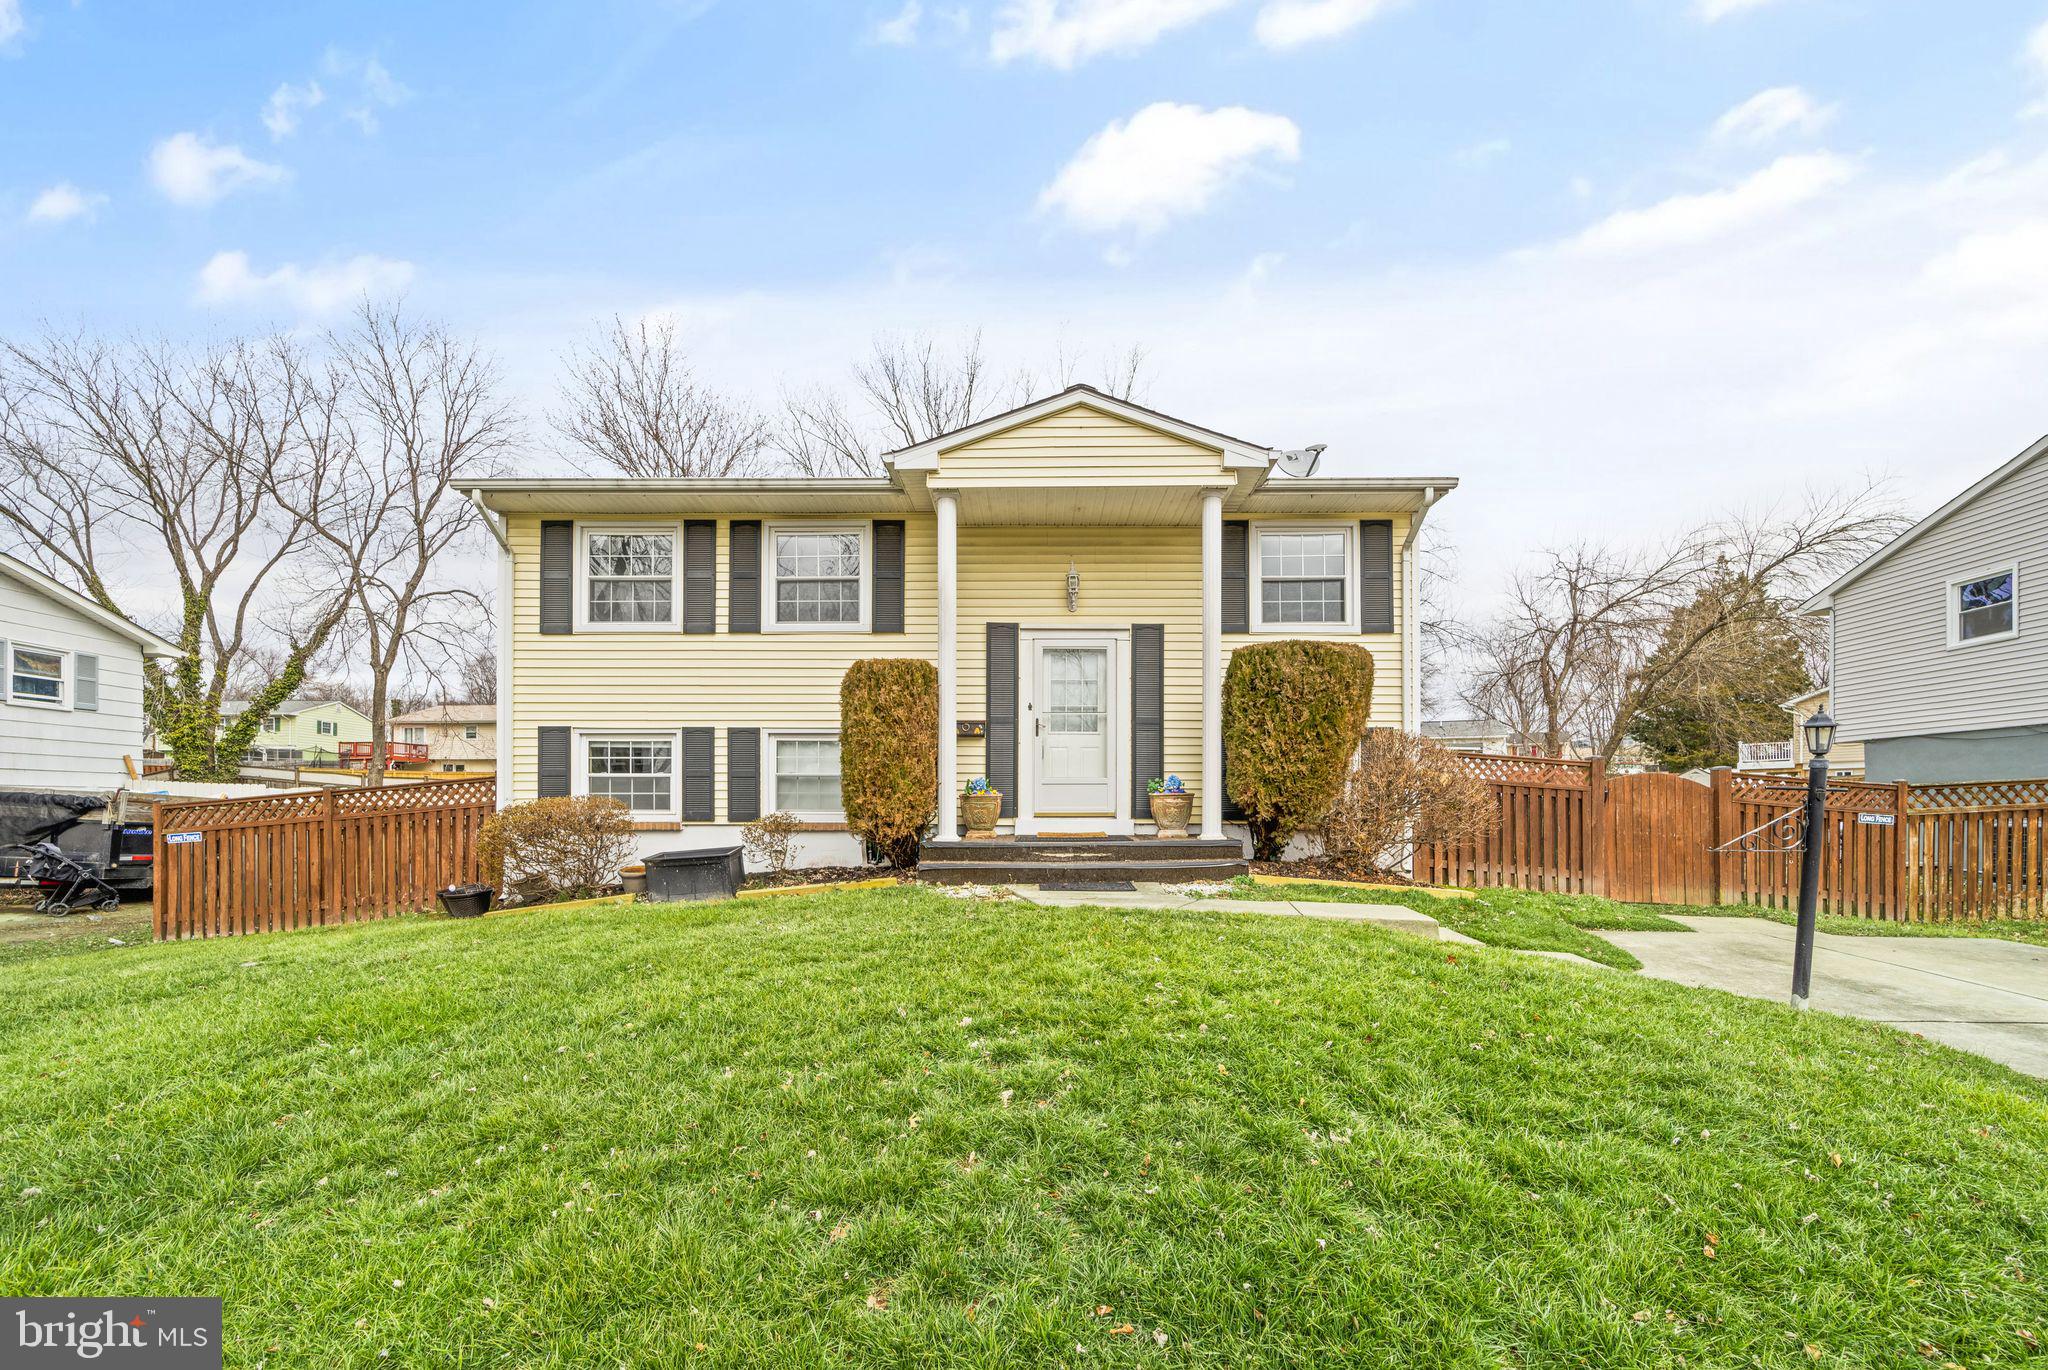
(1411, 628)
(495, 522)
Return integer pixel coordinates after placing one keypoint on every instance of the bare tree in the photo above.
(178, 457)
(1584, 641)
(631, 402)
(476, 679)
(912, 389)
(423, 412)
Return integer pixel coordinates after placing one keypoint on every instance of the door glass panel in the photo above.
(1076, 677)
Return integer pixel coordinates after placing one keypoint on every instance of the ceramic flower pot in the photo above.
(1171, 813)
(980, 812)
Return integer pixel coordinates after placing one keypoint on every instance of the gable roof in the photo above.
(1824, 601)
(924, 455)
(22, 573)
(451, 713)
(290, 708)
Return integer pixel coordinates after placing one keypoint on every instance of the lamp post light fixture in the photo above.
(1820, 738)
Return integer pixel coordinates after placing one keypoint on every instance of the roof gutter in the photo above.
(1429, 499)
(493, 520)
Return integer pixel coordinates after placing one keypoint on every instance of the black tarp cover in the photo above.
(39, 815)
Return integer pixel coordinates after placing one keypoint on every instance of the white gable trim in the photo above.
(924, 456)
(1824, 601)
(152, 645)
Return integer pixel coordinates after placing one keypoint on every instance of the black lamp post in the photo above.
(1820, 736)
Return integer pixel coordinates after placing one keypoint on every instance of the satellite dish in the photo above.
(1302, 461)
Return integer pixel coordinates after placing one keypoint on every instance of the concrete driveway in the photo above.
(1975, 993)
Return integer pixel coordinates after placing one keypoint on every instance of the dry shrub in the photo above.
(1405, 790)
(1292, 713)
(550, 849)
(889, 753)
(768, 839)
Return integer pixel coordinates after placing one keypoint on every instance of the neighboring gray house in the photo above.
(1939, 666)
(1477, 735)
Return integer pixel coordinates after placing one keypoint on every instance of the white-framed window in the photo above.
(469, 732)
(628, 577)
(326, 727)
(816, 578)
(638, 769)
(1984, 606)
(38, 676)
(412, 734)
(1304, 577)
(801, 776)
(274, 724)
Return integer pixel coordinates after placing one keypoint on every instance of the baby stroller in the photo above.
(66, 882)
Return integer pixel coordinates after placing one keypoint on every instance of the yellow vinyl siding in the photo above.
(1075, 446)
(666, 679)
(1128, 575)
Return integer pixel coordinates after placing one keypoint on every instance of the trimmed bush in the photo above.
(889, 753)
(770, 839)
(1406, 790)
(1292, 714)
(552, 849)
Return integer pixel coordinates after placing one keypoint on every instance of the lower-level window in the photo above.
(803, 776)
(639, 772)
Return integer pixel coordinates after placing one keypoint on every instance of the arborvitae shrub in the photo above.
(1293, 712)
(889, 753)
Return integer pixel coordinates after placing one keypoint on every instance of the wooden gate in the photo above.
(1660, 839)
(302, 859)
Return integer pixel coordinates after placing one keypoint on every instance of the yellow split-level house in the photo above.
(1078, 569)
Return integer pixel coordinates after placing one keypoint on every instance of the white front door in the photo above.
(1075, 718)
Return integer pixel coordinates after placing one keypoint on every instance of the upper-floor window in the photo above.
(1303, 577)
(274, 724)
(629, 577)
(469, 732)
(410, 734)
(1984, 607)
(815, 577)
(35, 676)
(326, 727)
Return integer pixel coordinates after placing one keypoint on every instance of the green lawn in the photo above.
(895, 1128)
(1500, 917)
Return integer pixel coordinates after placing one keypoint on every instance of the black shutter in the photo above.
(557, 577)
(1375, 576)
(700, 576)
(1002, 713)
(554, 762)
(887, 615)
(1237, 580)
(1148, 711)
(742, 775)
(743, 606)
(700, 800)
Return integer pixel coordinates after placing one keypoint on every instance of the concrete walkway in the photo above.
(1147, 896)
(1976, 993)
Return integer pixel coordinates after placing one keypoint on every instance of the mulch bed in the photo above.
(814, 875)
(1331, 868)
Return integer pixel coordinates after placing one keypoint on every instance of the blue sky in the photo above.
(1616, 263)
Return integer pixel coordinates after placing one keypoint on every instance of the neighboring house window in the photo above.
(36, 676)
(629, 577)
(453, 766)
(412, 734)
(803, 776)
(814, 578)
(639, 772)
(273, 724)
(326, 727)
(469, 732)
(1983, 608)
(1303, 577)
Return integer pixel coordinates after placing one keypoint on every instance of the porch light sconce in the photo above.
(1073, 588)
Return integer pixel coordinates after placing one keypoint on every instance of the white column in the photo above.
(949, 668)
(1212, 666)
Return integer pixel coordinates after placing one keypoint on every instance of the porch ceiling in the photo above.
(1093, 504)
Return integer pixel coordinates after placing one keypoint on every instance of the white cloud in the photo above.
(1996, 263)
(63, 202)
(1290, 23)
(228, 279)
(2037, 50)
(1165, 162)
(11, 23)
(1065, 33)
(901, 30)
(1711, 10)
(1769, 113)
(374, 88)
(1482, 153)
(188, 170)
(287, 105)
(1688, 220)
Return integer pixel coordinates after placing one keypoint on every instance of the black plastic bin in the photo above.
(707, 873)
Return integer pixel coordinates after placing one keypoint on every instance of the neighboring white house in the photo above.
(1478, 735)
(1939, 667)
(71, 706)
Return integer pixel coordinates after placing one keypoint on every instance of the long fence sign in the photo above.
(306, 859)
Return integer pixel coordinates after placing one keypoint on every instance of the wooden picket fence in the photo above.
(1914, 853)
(308, 859)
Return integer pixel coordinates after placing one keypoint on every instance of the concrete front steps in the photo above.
(1042, 860)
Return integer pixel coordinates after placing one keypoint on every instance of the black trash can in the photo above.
(707, 873)
(467, 901)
